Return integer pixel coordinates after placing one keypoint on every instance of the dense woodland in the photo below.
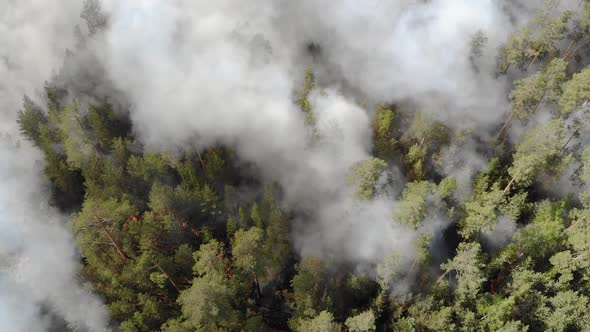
(171, 243)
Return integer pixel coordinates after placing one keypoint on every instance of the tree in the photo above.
(529, 92)
(468, 264)
(532, 43)
(569, 311)
(210, 303)
(420, 199)
(248, 251)
(277, 248)
(578, 234)
(430, 313)
(415, 161)
(78, 144)
(544, 236)
(312, 289)
(364, 176)
(363, 322)
(389, 270)
(575, 91)
(482, 211)
(477, 43)
(424, 138)
(30, 120)
(539, 152)
(414, 203)
(105, 125)
(303, 100)
(323, 322)
(384, 140)
(100, 224)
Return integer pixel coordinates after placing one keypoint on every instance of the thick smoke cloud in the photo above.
(41, 267)
(198, 73)
(38, 262)
(419, 50)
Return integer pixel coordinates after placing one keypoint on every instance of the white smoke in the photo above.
(198, 73)
(38, 262)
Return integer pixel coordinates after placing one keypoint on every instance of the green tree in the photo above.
(539, 153)
(30, 120)
(363, 322)
(248, 253)
(303, 100)
(468, 263)
(569, 311)
(364, 176)
(210, 303)
(312, 289)
(576, 91)
(385, 144)
(323, 322)
(534, 42)
(529, 92)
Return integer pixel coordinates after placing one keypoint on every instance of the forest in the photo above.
(204, 238)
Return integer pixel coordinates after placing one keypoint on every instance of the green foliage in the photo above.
(541, 152)
(546, 229)
(30, 119)
(424, 139)
(414, 203)
(364, 176)
(415, 161)
(575, 92)
(568, 311)
(312, 289)
(584, 21)
(324, 322)
(447, 187)
(578, 235)
(483, 209)
(149, 168)
(422, 199)
(385, 144)
(468, 263)
(248, 250)
(478, 42)
(389, 270)
(533, 43)
(363, 322)
(528, 93)
(209, 304)
(303, 100)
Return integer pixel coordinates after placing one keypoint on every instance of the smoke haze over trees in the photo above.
(295, 165)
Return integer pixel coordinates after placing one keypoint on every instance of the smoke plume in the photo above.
(198, 73)
(38, 262)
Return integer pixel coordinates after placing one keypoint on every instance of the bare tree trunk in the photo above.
(167, 276)
(201, 159)
(93, 146)
(442, 276)
(257, 286)
(569, 140)
(509, 185)
(505, 124)
(120, 251)
(567, 51)
(534, 59)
